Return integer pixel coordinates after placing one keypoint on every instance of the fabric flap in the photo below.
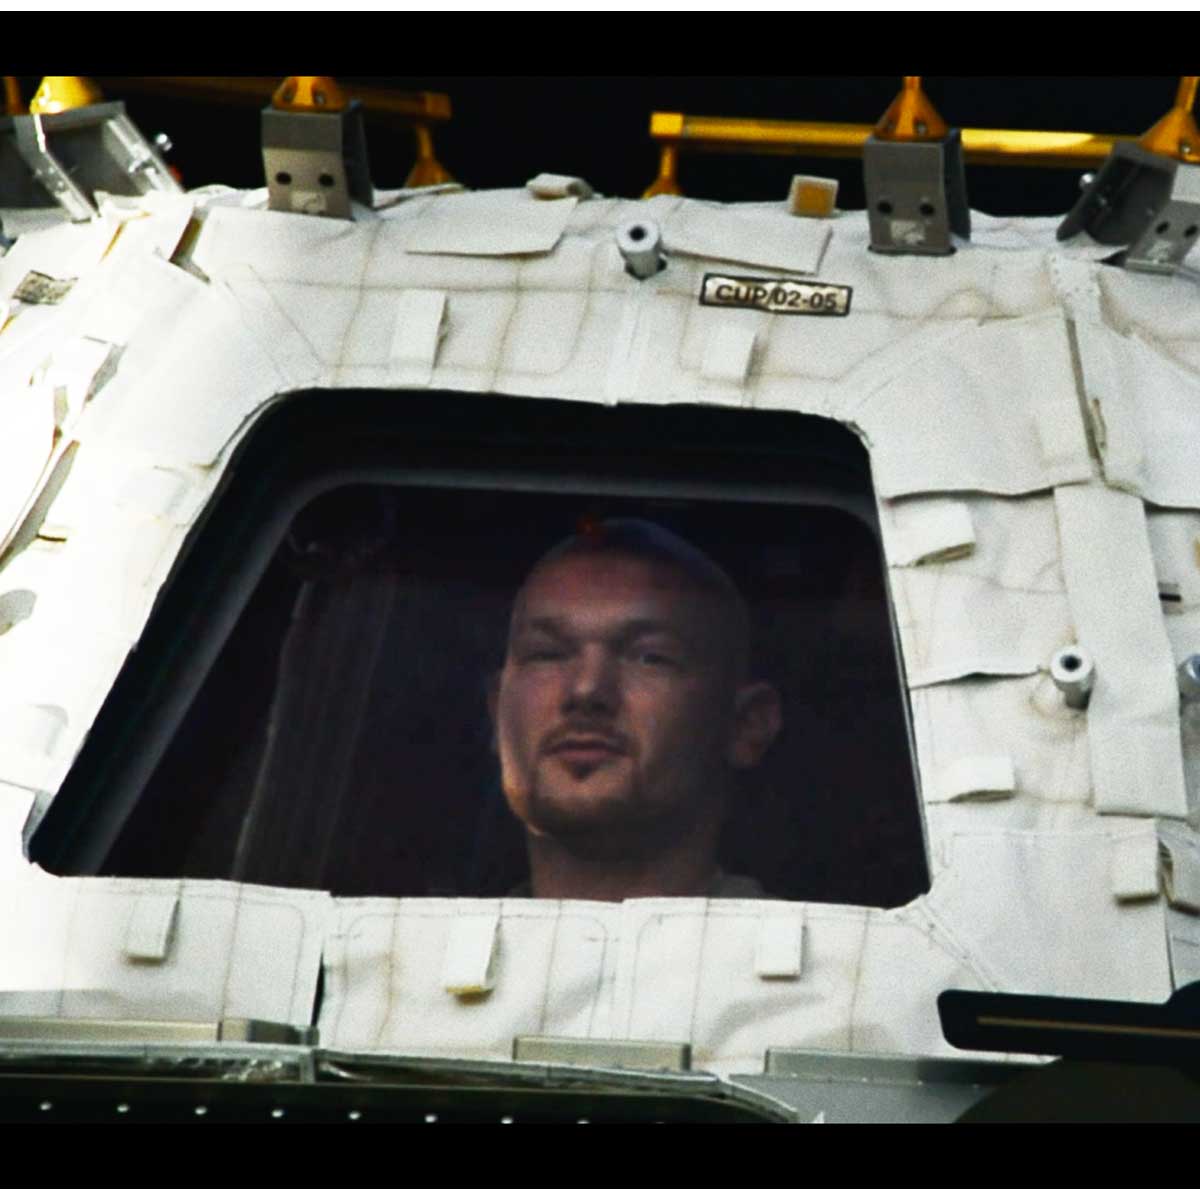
(929, 530)
(779, 951)
(763, 239)
(993, 410)
(469, 966)
(727, 355)
(973, 778)
(492, 223)
(420, 325)
(1133, 867)
(151, 927)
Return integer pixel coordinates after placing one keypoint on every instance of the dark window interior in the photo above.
(307, 706)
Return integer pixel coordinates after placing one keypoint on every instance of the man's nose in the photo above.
(593, 683)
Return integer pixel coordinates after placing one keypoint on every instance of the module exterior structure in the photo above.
(1030, 416)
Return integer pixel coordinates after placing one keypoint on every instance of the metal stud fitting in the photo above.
(1073, 672)
(640, 244)
(1189, 678)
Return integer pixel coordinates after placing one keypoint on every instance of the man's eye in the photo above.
(544, 654)
(654, 658)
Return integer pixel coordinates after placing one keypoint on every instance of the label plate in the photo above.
(803, 298)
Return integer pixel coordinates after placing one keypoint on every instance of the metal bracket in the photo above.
(65, 158)
(603, 1052)
(228, 1029)
(316, 162)
(1147, 202)
(916, 194)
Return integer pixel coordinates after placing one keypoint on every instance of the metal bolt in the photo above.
(1085, 180)
(200, 1110)
(163, 144)
(353, 1115)
(1073, 673)
(277, 1113)
(122, 1108)
(45, 1106)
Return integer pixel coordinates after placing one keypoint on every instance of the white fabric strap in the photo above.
(1113, 404)
(1133, 714)
(554, 187)
(929, 530)
(727, 355)
(420, 320)
(470, 963)
(1133, 867)
(976, 777)
(151, 929)
(779, 952)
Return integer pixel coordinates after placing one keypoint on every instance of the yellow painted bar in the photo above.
(836, 139)
(247, 89)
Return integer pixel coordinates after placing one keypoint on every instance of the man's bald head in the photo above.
(644, 541)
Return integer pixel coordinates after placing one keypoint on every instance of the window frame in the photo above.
(311, 442)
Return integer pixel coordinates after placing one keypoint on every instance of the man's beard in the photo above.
(619, 826)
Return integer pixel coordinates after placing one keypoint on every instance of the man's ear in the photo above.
(757, 720)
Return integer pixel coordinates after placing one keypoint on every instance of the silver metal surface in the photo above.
(791, 297)
(848, 1067)
(1173, 230)
(64, 1029)
(231, 1029)
(602, 1052)
(1074, 674)
(1188, 675)
(876, 1089)
(640, 244)
(247, 1029)
(315, 163)
(1145, 201)
(916, 195)
(70, 156)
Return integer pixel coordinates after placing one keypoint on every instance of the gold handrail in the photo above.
(258, 90)
(13, 104)
(837, 139)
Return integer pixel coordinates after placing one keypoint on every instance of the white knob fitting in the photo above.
(1073, 673)
(640, 244)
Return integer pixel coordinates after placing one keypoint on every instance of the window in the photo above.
(309, 704)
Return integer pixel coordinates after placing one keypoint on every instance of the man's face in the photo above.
(616, 704)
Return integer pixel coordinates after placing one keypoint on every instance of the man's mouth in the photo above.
(586, 749)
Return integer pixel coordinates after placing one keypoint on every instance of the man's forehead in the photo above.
(607, 582)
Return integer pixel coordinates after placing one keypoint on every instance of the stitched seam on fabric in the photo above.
(66, 958)
(266, 344)
(699, 973)
(237, 916)
(952, 572)
(549, 964)
(857, 983)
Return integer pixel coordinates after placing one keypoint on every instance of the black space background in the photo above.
(506, 128)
